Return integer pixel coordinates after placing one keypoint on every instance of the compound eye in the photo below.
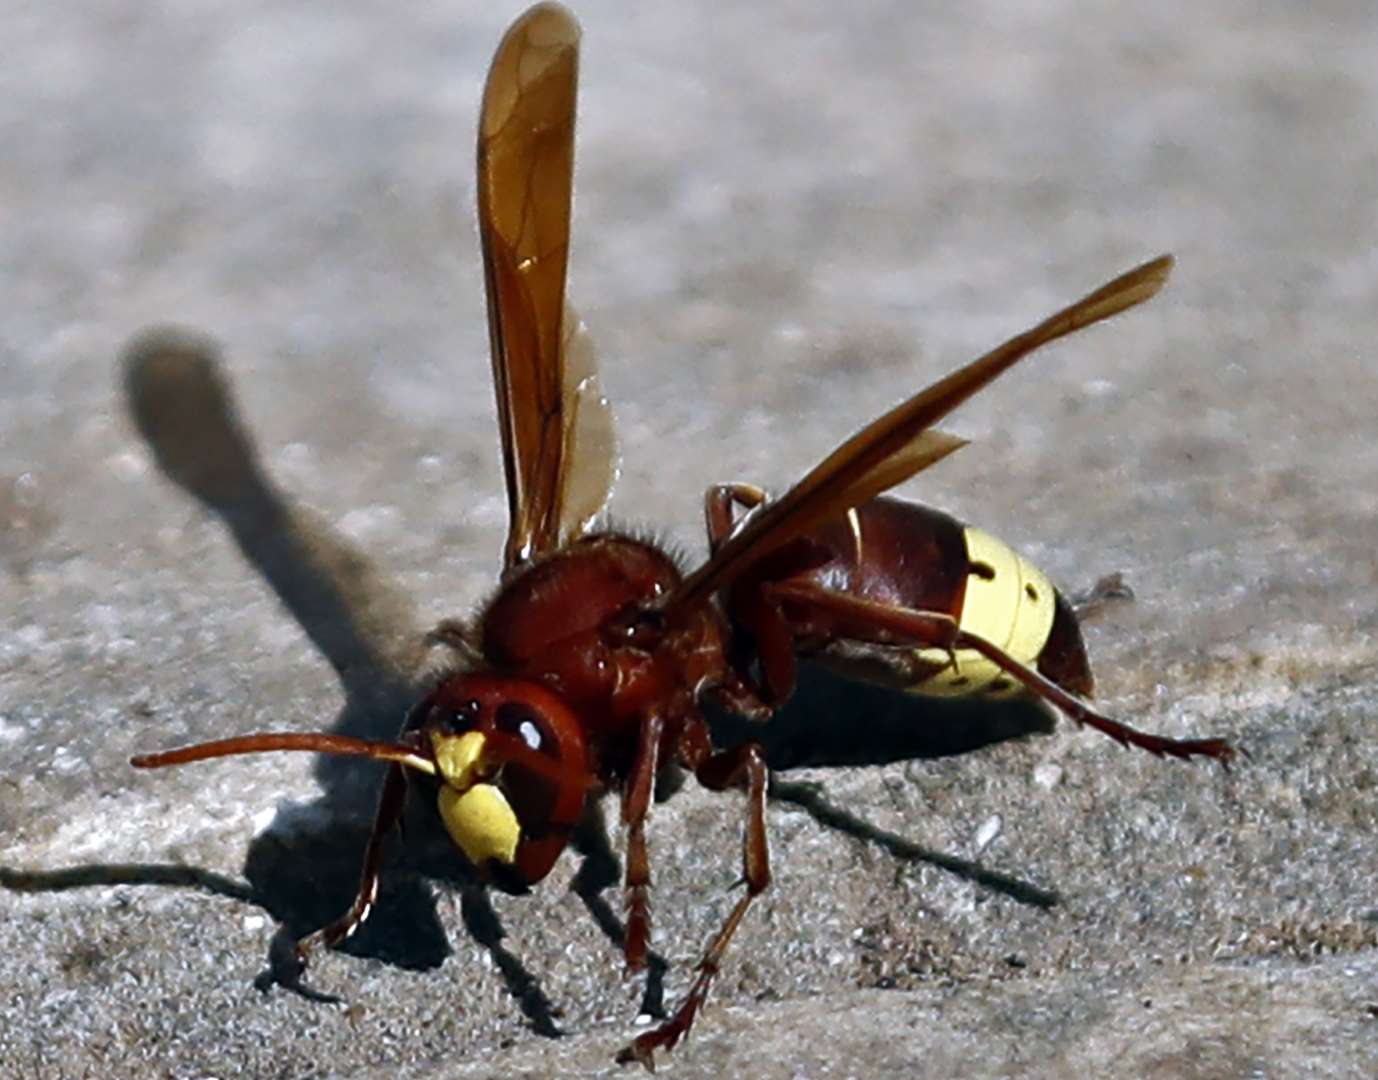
(527, 724)
(454, 720)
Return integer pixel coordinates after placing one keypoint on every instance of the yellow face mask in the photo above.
(477, 815)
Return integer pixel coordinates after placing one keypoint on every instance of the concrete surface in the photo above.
(787, 218)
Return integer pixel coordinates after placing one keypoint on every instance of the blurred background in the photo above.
(786, 218)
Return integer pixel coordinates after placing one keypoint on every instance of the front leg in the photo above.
(288, 969)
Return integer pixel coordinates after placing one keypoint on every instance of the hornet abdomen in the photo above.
(912, 556)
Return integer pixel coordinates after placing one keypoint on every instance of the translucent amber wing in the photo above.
(590, 450)
(525, 178)
(879, 453)
(928, 448)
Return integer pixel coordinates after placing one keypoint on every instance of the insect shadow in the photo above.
(303, 869)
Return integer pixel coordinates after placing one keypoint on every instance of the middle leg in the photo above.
(742, 766)
(636, 802)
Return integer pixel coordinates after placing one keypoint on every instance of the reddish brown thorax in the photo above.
(583, 621)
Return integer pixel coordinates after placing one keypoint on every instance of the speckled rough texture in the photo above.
(787, 217)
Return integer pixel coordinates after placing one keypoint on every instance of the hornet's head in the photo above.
(513, 769)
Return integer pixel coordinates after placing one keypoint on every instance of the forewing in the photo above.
(875, 457)
(927, 448)
(525, 178)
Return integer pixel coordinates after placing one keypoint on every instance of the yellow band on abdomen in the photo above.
(1009, 602)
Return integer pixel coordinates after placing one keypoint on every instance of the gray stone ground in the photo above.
(787, 218)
